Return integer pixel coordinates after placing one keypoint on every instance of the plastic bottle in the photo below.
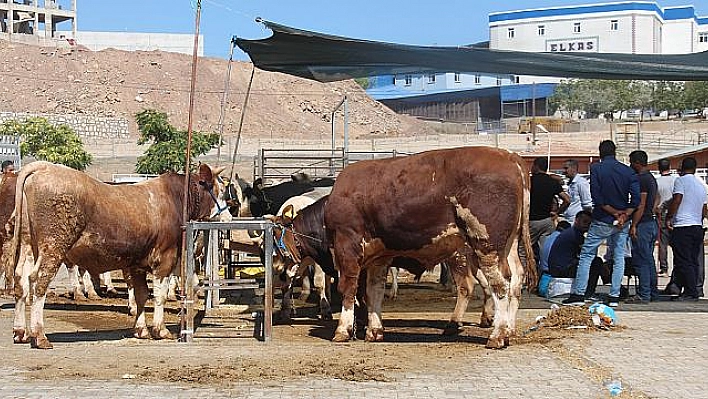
(614, 387)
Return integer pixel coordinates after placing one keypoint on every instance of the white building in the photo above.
(633, 27)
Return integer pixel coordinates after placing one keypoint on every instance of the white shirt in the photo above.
(580, 198)
(690, 211)
(665, 184)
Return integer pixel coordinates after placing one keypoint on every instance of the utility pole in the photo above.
(185, 205)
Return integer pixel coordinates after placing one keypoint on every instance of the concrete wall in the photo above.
(87, 127)
(135, 41)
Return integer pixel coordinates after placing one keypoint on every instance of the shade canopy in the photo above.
(328, 58)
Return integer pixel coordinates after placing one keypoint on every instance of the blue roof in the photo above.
(668, 13)
(517, 92)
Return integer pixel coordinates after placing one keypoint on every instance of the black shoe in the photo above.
(574, 300)
(636, 300)
(687, 298)
(671, 289)
(612, 301)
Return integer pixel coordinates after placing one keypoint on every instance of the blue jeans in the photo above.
(643, 259)
(599, 232)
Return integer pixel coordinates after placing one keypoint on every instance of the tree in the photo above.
(696, 95)
(46, 142)
(365, 83)
(167, 151)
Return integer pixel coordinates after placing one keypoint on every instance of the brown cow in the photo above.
(471, 201)
(304, 240)
(7, 206)
(75, 218)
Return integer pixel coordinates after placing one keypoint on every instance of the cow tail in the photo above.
(525, 232)
(14, 250)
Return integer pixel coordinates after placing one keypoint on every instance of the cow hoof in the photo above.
(486, 322)
(19, 336)
(283, 317)
(453, 328)
(94, 297)
(374, 335)
(340, 336)
(132, 311)
(79, 297)
(495, 343)
(506, 341)
(40, 343)
(111, 292)
(326, 316)
(161, 333)
(141, 333)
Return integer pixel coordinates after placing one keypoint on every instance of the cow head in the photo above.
(238, 196)
(287, 255)
(213, 185)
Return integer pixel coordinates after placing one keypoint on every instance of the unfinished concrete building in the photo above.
(36, 20)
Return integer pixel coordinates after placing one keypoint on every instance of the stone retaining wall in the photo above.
(86, 126)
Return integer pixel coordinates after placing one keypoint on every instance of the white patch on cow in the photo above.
(475, 229)
(37, 314)
(433, 177)
(450, 230)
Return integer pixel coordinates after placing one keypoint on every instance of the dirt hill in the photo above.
(120, 83)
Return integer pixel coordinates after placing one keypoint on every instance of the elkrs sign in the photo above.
(583, 45)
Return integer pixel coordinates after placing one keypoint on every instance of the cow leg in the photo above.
(139, 285)
(306, 289)
(393, 292)
(159, 288)
(90, 285)
(286, 305)
(75, 283)
(132, 305)
(486, 319)
(460, 269)
(517, 277)
(172, 289)
(22, 290)
(321, 283)
(42, 274)
(346, 262)
(375, 289)
(107, 280)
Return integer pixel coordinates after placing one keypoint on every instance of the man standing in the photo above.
(7, 166)
(615, 194)
(544, 192)
(685, 220)
(665, 183)
(644, 230)
(578, 191)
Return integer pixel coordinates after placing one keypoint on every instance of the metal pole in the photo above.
(346, 131)
(223, 101)
(240, 123)
(188, 155)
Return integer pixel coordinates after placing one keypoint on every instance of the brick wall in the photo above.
(86, 126)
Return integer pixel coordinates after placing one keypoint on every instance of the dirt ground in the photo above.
(93, 340)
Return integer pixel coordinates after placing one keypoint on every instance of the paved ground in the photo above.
(660, 353)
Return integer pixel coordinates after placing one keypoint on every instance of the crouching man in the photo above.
(564, 255)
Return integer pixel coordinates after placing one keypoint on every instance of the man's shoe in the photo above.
(593, 298)
(612, 301)
(637, 300)
(672, 289)
(574, 300)
(686, 298)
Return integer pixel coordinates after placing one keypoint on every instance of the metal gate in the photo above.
(10, 150)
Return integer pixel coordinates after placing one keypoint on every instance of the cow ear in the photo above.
(217, 171)
(205, 173)
(288, 214)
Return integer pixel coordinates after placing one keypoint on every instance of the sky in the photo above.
(443, 22)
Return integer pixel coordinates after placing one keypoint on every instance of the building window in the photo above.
(614, 24)
(477, 79)
(431, 78)
(499, 80)
(516, 79)
(576, 27)
(510, 33)
(408, 80)
(703, 37)
(393, 81)
(542, 30)
(458, 79)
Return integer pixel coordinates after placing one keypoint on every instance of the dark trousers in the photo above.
(643, 259)
(686, 242)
